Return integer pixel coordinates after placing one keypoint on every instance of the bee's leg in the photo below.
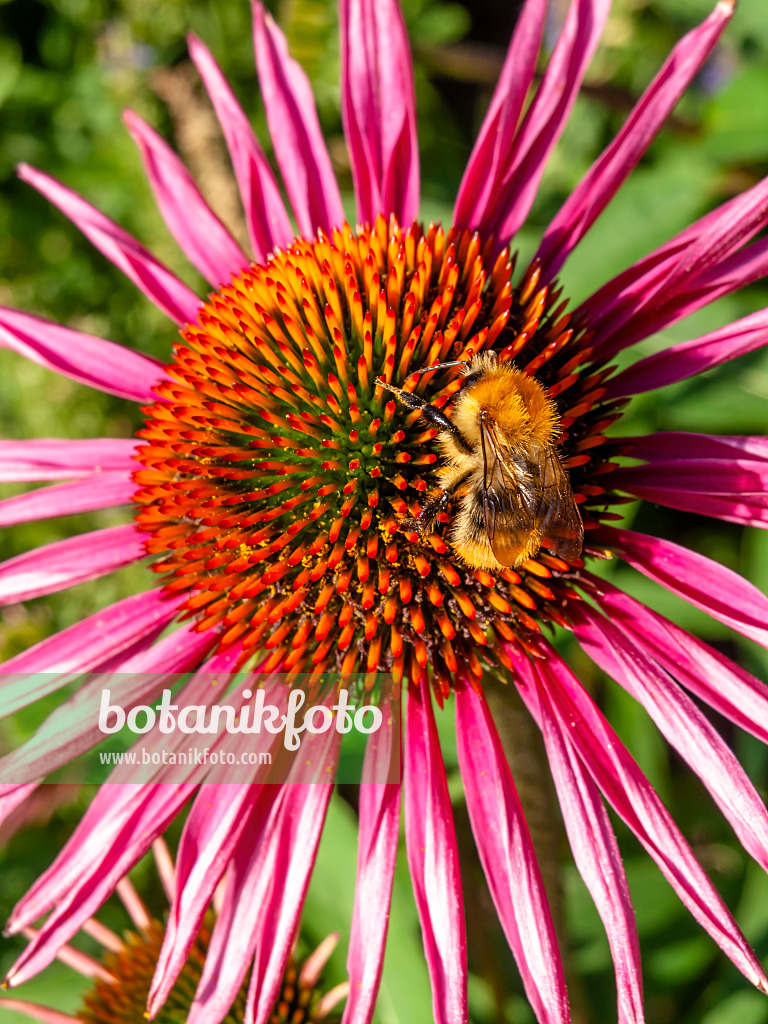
(430, 412)
(433, 509)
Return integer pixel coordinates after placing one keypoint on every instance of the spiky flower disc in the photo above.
(277, 471)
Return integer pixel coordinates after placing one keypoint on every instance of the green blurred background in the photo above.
(67, 69)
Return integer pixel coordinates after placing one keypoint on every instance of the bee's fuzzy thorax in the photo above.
(512, 399)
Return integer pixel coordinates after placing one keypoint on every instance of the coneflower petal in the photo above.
(98, 637)
(162, 287)
(546, 117)
(379, 108)
(66, 563)
(295, 130)
(508, 858)
(605, 176)
(495, 141)
(37, 1012)
(53, 459)
(679, 444)
(82, 357)
(598, 859)
(200, 234)
(269, 225)
(706, 584)
(688, 358)
(684, 726)
(706, 673)
(550, 686)
(378, 834)
(433, 858)
(303, 811)
(101, 490)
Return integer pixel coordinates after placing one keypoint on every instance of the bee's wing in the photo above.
(509, 498)
(557, 516)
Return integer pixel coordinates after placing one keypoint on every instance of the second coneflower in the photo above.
(280, 491)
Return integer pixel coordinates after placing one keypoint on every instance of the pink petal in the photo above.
(688, 358)
(157, 282)
(745, 508)
(605, 176)
(54, 459)
(673, 444)
(93, 361)
(599, 863)
(694, 268)
(36, 1012)
(709, 675)
(376, 854)
(508, 858)
(102, 635)
(683, 725)
(433, 859)
(495, 144)
(211, 832)
(296, 134)
(122, 838)
(65, 563)
(102, 490)
(745, 477)
(706, 584)
(240, 921)
(547, 115)
(268, 223)
(13, 795)
(379, 109)
(302, 825)
(73, 727)
(201, 236)
(552, 692)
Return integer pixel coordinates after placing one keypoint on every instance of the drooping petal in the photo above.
(96, 638)
(494, 146)
(245, 901)
(295, 130)
(302, 824)
(744, 477)
(718, 591)
(547, 115)
(703, 671)
(53, 459)
(65, 563)
(379, 109)
(268, 223)
(747, 509)
(201, 236)
(508, 858)
(376, 853)
(433, 859)
(598, 859)
(89, 360)
(550, 690)
(73, 727)
(684, 726)
(102, 490)
(689, 358)
(211, 832)
(123, 838)
(605, 176)
(167, 292)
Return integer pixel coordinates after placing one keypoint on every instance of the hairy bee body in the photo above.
(501, 477)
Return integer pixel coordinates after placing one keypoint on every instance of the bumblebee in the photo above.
(501, 471)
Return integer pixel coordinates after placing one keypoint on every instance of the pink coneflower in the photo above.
(120, 976)
(277, 487)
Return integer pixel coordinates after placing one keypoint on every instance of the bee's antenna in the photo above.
(438, 366)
